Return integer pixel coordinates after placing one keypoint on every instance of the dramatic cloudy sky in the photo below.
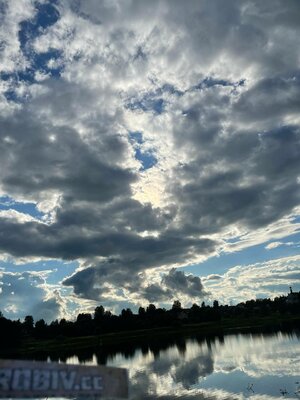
(149, 151)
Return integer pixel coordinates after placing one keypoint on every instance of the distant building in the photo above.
(293, 297)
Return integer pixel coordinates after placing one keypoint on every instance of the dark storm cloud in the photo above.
(49, 158)
(124, 212)
(155, 292)
(83, 284)
(174, 285)
(34, 238)
(284, 91)
(241, 174)
(187, 284)
(122, 271)
(251, 185)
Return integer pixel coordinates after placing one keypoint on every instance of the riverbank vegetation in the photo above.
(104, 328)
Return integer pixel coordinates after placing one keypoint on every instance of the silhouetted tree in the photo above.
(151, 309)
(104, 321)
(11, 332)
(215, 304)
(195, 313)
(142, 311)
(126, 313)
(99, 313)
(40, 324)
(84, 324)
(176, 305)
(40, 329)
(28, 324)
(84, 317)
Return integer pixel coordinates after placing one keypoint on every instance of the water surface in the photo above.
(230, 367)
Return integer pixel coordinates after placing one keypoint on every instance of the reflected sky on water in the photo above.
(230, 367)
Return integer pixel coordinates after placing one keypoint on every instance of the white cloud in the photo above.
(273, 245)
(266, 279)
(196, 82)
(216, 369)
(27, 293)
(12, 14)
(17, 216)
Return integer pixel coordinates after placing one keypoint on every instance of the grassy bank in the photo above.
(66, 345)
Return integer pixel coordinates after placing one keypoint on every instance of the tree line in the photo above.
(104, 321)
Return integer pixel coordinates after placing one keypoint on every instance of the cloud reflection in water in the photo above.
(226, 368)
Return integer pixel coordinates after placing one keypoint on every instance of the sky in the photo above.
(149, 151)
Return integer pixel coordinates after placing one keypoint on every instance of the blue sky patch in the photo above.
(11, 95)
(147, 103)
(136, 137)
(8, 203)
(60, 269)
(250, 255)
(210, 82)
(39, 62)
(146, 157)
(47, 15)
(153, 100)
(168, 88)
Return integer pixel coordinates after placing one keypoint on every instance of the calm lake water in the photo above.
(230, 367)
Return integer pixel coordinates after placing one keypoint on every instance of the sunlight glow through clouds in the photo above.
(134, 146)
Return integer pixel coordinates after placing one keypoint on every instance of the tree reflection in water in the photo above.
(211, 368)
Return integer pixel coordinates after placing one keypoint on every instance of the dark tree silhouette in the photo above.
(84, 324)
(151, 309)
(103, 321)
(99, 314)
(215, 304)
(142, 311)
(40, 329)
(28, 324)
(176, 305)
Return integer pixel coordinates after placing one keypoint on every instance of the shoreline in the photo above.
(70, 345)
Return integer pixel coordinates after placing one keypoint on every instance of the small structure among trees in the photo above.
(293, 297)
